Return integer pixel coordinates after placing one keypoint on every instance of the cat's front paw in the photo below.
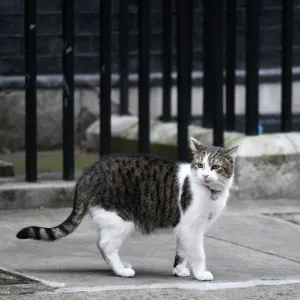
(181, 271)
(203, 275)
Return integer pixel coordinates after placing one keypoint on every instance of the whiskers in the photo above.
(220, 184)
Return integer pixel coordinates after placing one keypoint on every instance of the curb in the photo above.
(34, 195)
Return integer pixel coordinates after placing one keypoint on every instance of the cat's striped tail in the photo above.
(57, 232)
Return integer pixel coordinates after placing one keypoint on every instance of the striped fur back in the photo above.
(139, 188)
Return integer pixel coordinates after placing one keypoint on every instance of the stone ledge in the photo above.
(34, 195)
(163, 136)
(267, 167)
(6, 169)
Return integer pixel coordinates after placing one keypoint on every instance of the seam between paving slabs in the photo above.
(252, 248)
(281, 220)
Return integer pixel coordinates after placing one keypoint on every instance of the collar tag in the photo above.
(214, 195)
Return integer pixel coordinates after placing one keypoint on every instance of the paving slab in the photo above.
(264, 233)
(241, 246)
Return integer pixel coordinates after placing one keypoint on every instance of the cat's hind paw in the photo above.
(125, 272)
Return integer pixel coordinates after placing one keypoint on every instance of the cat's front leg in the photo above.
(198, 260)
(180, 263)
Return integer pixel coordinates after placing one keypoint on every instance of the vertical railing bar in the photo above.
(166, 59)
(184, 23)
(30, 92)
(286, 65)
(207, 115)
(252, 66)
(217, 67)
(68, 89)
(144, 69)
(230, 63)
(105, 77)
(123, 54)
(213, 115)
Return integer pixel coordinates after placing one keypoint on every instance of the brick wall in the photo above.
(49, 42)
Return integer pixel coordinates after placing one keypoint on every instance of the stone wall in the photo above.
(49, 122)
(12, 110)
(267, 166)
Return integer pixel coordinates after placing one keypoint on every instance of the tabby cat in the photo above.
(139, 192)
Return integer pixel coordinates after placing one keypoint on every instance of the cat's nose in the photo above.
(205, 177)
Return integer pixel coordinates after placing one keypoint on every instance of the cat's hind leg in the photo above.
(113, 230)
(126, 264)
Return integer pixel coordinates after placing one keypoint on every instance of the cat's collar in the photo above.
(214, 193)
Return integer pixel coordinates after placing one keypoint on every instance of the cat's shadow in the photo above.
(144, 273)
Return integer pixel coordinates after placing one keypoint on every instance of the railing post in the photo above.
(230, 63)
(166, 59)
(30, 92)
(207, 115)
(286, 64)
(123, 43)
(252, 66)
(184, 22)
(105, 77)
(144, 69)
(213, 69)
(68, 89)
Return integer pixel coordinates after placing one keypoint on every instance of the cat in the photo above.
(140, 192)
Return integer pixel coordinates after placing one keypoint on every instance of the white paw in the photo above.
(126, 272)
(127, 265)
(181, 272)
(204, 276)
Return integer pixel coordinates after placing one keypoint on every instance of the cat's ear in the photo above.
(195, 145)
(232, 152)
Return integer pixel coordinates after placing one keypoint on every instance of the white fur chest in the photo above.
(203, 210)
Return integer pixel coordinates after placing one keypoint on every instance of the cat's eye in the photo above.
(200, 166)
(215, 167)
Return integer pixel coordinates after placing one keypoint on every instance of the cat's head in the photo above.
(213, 166)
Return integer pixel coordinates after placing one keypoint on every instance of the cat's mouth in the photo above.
(207, 182)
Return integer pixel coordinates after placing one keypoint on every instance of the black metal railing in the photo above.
(286, 64)
(184, 66)
(30, 91)
(144, 71)
(123, 64)
(105, 77)
(166, 57)
(68, 89)
(231, 23)
(252, 66)
(219, 67)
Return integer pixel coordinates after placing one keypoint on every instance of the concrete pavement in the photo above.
(244, 248)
